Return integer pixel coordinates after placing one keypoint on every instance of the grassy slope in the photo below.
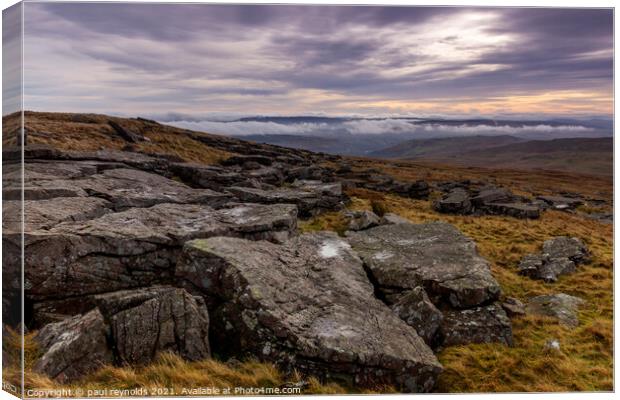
(585, 362)
(89, 132)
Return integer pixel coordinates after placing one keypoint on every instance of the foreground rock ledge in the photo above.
(308, 305)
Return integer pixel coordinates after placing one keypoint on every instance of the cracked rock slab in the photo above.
(310, 197)
(436, 256)
(146, 322)
(306, 304)
(133, 248)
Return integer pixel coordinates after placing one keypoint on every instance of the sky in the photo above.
(153, 59)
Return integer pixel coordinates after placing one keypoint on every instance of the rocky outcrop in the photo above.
(456, 201)
(308, 305)
(559, 256)
(360, 220)
(310, 197)
(433, 278)
(74, 347)
(133, 248)
(436, 256)
(460, 198)
(561, 306)
(561, 202)
(127, 327)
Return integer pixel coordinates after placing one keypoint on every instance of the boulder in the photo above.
(126, 328)
(305, 305)
(517, 210)
(564, 247)
(415, 308)
(484, 324)
(74, 347)
(457, 201)
(559, 256)
(492, 194)
(561, 306)
(561, 202)
(148, 321)
(555, 267)
(513, 307)
(530, 264)
(360, 220)
(436, 256)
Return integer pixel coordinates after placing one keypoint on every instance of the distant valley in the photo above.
(580, 155)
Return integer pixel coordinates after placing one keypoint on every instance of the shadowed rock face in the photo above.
(127, 327)
(436, 256)
(418, 311)
(306, 304)
(147, 321)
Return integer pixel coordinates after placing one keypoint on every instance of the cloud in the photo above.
(391, 126)
(196, 59)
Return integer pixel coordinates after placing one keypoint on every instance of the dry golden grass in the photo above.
(90, 132)
(168, 371)
(585, 362)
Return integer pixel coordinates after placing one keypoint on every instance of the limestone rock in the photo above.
(311, 197)
(360, 220)
(561, 306)
(562, 246)
(436, 256)
(148, 321)
(74, 347)
(307, 305)
(133, 248)
(416, 310)
(560, 256)
(513, 307)
(391, 218)
(455, 202)
(484, 324)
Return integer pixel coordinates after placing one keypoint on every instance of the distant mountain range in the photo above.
(581, 155)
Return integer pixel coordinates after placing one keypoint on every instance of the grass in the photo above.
(585, 362)
(91, 132)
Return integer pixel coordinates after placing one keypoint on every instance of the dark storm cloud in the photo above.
(291, 58)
